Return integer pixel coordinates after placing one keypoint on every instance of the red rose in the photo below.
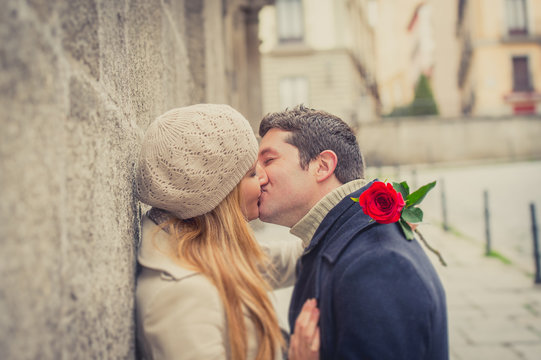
(382, 203)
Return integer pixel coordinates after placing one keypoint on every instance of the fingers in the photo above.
(305, 314)
(305, 341)
(293, 347)
(311, 325)
(315, 344)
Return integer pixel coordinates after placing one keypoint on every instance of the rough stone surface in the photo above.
(79, 83)
(30, 177)
(194, 28)
(79, 21)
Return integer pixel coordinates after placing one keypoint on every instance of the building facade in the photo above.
(445, 68)
(398, 50)
(392, 54)
(500, 57)
(320, 53)
(232, 61)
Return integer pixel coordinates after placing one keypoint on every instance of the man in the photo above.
(379, 296)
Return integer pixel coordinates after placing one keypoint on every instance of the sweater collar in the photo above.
(307, 226)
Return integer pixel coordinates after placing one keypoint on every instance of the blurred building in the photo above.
(446, 55)
(230, 71)
(320, 53)
(394, 49)
(413, 38)
(500, 56)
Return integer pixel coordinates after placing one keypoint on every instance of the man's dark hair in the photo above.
(313, 131)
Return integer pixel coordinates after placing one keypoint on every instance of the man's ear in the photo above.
(324, 165)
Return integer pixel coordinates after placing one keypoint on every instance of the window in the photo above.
(293, 91)
(290, 20)
(517, 17)
(521, 76)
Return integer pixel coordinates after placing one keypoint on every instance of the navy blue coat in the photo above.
(378, 294)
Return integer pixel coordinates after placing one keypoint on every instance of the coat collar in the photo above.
(307, 226)
(345, 220)
(156, 252)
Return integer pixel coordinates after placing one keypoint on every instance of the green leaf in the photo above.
(418, 196)
(412, 215)
(354, 199)
(402, 188)
(406, 229)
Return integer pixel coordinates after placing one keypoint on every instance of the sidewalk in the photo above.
(494, 308)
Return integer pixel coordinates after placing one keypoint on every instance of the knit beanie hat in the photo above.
(193, 157)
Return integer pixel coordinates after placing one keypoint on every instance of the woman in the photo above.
(200, 292)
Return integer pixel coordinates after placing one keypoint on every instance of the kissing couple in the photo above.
(361, 289)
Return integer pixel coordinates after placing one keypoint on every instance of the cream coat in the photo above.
(179, 313)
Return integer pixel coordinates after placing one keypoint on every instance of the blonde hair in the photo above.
(221, 246)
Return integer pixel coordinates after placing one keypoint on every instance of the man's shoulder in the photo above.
(383, 254)
(378, 245)
(358, 233)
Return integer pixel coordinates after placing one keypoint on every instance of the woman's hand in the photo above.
(304, 342)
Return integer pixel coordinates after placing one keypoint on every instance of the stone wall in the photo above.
(400, 141)
(80, 80)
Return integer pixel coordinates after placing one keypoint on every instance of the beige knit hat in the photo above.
(193, 157)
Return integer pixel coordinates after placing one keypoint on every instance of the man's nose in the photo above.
(262, 175)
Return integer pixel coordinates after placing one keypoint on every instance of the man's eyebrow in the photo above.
(266, 151)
